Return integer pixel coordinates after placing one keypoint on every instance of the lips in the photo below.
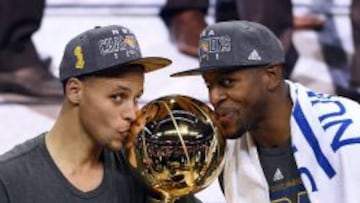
(224, 117)
(123, 134)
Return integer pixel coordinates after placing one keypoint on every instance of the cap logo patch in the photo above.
(115, 32)
(114, 45)
(80, 62)
(254, 56)
(214, 45)
(124, 30)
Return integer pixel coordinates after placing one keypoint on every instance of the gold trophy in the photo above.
(176, 147)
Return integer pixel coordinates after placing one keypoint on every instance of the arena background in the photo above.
(22, 118)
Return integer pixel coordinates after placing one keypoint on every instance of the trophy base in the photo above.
(165, 200)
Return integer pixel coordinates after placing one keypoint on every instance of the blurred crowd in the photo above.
(22, 71)
(185, 20)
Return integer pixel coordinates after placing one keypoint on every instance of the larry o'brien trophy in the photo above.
(176, 147)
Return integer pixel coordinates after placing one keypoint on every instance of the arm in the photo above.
(185, 20)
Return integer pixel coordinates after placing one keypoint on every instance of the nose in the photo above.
(216, 95)
(131, 111)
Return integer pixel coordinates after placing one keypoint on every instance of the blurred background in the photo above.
(322, 39)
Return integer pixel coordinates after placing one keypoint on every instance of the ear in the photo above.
(73, 89)
(274, 77)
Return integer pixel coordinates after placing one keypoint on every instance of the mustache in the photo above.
(223, 110)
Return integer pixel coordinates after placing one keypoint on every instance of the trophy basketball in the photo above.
(176, 147)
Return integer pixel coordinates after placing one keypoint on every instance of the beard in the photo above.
(238, 133)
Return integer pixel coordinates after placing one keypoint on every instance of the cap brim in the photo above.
(199, 71)
(152, 63)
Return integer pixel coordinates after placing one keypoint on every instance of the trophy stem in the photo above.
(168, 198)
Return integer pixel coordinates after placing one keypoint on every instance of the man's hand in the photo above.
(308, 22)
(185, 29)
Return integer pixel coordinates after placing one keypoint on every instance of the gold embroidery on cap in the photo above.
(79, 58)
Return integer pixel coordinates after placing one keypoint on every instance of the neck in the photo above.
(274, 128)
(69, 145)
(75, 154)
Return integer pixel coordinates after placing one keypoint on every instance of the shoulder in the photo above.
(323, 103)
(20, 152)
(331, 107)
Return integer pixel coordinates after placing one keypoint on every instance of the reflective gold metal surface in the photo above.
(176, 146)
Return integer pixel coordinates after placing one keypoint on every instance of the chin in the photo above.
(234, 134)
(115, 146)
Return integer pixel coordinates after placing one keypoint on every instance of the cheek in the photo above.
(98, 119)
(252, 108)
(241, 105)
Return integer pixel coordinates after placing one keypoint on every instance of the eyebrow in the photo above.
(128, 89)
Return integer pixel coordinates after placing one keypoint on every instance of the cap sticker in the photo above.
(114, 45)
(115, 32)
(80, 62)
(203, 33)
(211, 32)
(125, 31)
(214, 45)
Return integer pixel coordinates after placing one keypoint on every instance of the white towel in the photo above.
(327, 145)
(244, 181)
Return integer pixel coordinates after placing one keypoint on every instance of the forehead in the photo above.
(242, 73)
(130, 81)
(215, 74)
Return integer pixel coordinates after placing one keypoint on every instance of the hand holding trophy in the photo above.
(176, 147)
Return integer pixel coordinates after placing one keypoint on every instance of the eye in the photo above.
(136, 100)
(226, 82)
(138, 96)
(117, 98)
(208, 85)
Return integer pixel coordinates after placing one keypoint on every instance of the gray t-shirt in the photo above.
(281, 173)
(28, 174)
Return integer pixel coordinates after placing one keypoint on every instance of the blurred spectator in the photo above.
(334, 55)
(185, 20)
(355, 64)
(21, 69)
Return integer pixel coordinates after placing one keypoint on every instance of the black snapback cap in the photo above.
(102, 48)
(235, 45)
